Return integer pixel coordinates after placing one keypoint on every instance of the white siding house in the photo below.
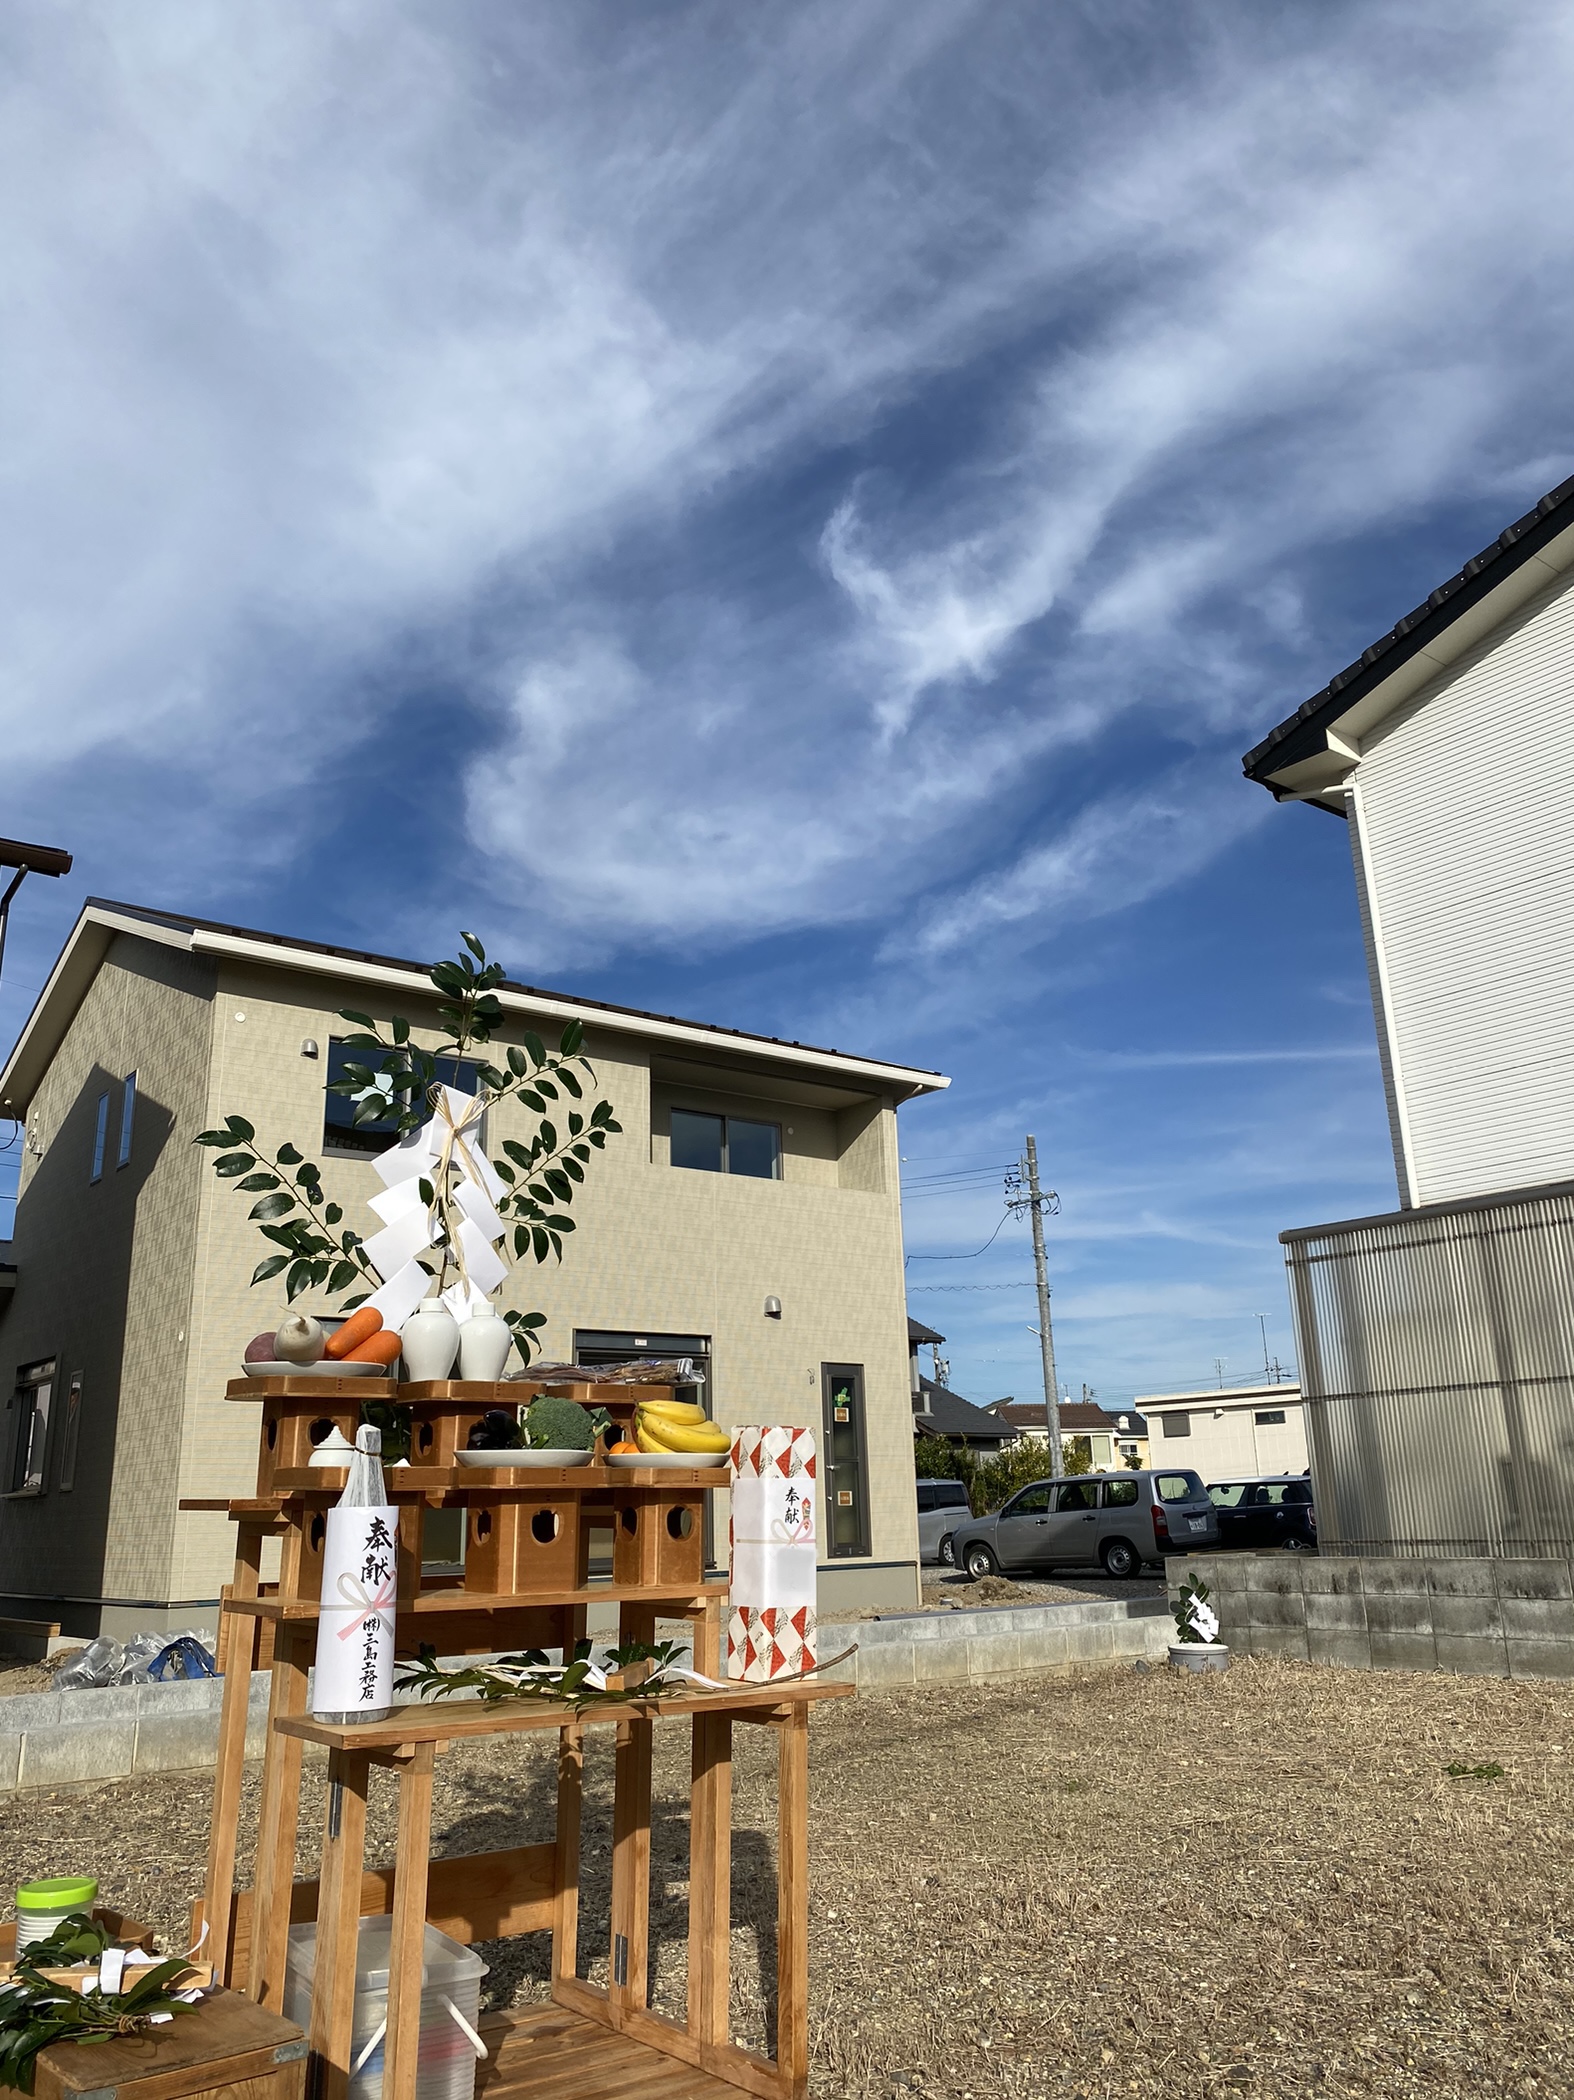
(1436, 1342)
(1235, 1434)
(1450, 748)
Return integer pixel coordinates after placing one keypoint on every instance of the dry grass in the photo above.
(1111, 1883)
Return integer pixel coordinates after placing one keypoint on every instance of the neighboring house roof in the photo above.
(1077, 1417)
(1228, 1397)
(918, 1333)
(101, 920)
(1520, 562)
(940, 1412)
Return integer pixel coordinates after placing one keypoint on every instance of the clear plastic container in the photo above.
(450, 2009)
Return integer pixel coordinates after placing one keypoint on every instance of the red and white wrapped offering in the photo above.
(770, 1615)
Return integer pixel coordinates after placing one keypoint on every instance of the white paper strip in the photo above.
(462, 1302)
(413, 1155)
(393, 1204)
(481, 1169)
(389, 1250)
(355, 1625)
(485, 1265)
(477, 1206)
(401, 1294)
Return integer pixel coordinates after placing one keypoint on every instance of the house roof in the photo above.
(918, 1332)
(1077, 1417)
(1292, 761)
(101, 920)
(944, 1413)
(1208, 1399)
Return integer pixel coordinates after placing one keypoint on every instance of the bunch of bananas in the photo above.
(675, 1425)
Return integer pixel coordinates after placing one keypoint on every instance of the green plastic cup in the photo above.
(40, 1905)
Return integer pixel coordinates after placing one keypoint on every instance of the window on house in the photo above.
(726, 1145)
(100, 1132)
(68, 1433)
(1175, 1425)
(35, 1385)
(1270, 1418)
(128, 1110)
(341, 1132)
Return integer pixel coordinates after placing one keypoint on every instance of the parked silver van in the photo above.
(1115, 1521)
(942, 1505)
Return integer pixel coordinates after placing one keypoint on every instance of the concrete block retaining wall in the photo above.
(1476, 1618)
(66, 1738)
(960, 1647)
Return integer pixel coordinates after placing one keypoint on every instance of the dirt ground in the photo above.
(1113, 1882)
(943, 1591)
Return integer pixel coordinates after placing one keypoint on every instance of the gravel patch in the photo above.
(1104, 1883)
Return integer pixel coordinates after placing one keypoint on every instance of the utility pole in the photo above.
(1035, 1203)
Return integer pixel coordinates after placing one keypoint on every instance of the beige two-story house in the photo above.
(748, 1216)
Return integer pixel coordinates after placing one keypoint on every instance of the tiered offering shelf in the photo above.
(525, 1582)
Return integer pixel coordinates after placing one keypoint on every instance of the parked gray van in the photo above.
(1115, 1521)
(942, 1505)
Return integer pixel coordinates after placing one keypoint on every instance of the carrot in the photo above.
(376, 1349)
(355, 1329)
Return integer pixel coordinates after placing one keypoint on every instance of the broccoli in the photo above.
(557, 1424)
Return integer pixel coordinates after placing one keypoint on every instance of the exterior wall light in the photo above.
(308, 1048)
(773, 1308)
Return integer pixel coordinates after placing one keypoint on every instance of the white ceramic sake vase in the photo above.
(484, 1342)
(429, 1342)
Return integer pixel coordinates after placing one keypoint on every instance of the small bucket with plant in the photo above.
(1197, 1646)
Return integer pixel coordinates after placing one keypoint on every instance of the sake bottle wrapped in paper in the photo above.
(355, 1631)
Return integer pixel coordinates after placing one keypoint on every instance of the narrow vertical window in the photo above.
(101, 1131)
(128, 1110)
(34, 1385)
(68, 1433)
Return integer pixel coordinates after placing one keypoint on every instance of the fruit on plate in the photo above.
(298, 1340)
(673, 1425)
(625, 1449)
(380, 1348)
(359, 1327)
(259, 1350)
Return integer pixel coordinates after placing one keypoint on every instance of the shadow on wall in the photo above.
(73, 1248)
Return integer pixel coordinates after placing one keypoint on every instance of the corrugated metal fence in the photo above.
(1437, 1367)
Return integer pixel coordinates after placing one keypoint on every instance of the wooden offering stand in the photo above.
(530, 1537)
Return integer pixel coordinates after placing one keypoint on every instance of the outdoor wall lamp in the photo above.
(773, 1308)
(308, 1048)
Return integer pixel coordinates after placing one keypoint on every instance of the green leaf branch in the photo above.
(391, 1080)
(296, 1215)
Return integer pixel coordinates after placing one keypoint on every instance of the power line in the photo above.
(1024, 1285)
(977, 1251)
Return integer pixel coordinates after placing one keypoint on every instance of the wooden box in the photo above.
(524, 1545)
(226, 2046)
(658, 1536)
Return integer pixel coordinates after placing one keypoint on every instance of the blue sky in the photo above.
(789, 516)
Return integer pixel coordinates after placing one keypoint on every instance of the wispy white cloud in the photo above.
(1112, 854)
(354, 349)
